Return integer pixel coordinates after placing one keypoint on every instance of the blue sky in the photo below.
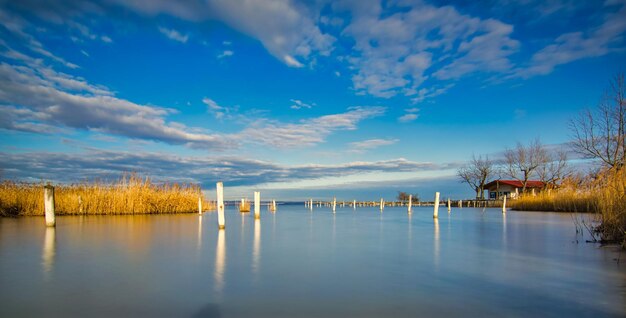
(298, 99)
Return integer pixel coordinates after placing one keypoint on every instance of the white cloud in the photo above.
(36, 98)
(407, 118)
(569, 47)
(106, 164)
(106, 39)
(286, 28)
(365, 145)
(429, 93)
(307, 132)
(298, 104)
(218, 111)
(226, 53)
(174, 35)
(17, 26)
(395, 52)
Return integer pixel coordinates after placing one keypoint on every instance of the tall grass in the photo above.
(130, 194)
(604, 194)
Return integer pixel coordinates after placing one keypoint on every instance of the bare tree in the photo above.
(476, 173)
(523, 161)
(554, 168)
(601, 134)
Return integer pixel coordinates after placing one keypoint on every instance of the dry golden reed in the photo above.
(604, 194)
(130, 194)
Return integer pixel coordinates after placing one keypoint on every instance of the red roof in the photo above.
(515, 183)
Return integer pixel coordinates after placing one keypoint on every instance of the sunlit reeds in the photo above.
(129, 195)
(604, 194)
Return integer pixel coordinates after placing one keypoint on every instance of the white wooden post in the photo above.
(274, 205)
(334, 204)
(221, 221)
(436, 207)
(48, 199)
(460, 203)
(200, 205)
(354, 204)
(410, 202)
(504, 204)
(311, 204)
(257, 204)
(382, 204)
(449, 206)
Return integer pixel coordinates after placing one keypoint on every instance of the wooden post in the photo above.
(257, 204)
(48, 199)
(460, 203)
(274, 205)
(504, 204)
(449, 206)
(221, 221)
(200, 205)
(334, 204)
(311, 204)
(410, 203)
(436, 207)
(382, 204)
(354, 204)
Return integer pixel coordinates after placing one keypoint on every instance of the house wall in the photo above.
(504, 189)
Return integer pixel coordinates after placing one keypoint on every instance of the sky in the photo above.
(296, 99)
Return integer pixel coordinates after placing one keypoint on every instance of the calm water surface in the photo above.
(297, 263)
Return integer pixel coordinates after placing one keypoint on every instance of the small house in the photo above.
(511, 188)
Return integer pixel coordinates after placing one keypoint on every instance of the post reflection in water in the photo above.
(220, 261)
(256, 247)
(49, 250)
(504, 229)
(199, 232)
(410, 234)
(436, 244)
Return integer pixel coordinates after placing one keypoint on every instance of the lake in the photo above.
(297, 263)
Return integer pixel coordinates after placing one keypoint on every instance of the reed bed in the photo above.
(604, 194)
(130, 194)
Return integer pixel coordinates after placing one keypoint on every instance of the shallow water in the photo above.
(297, 263)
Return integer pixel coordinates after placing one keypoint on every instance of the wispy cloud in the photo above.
(365, 145)
(38, 97)
(407, 118)
(218, 111)
(307, 132)
(292, 36)
(298, 104)
(569, 47)
(93, 163)
(174, 35)
(224, 54)
(395, 51)
(410, 115)
(18, 27)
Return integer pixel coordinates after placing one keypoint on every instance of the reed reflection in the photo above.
(256, 247)
(49, 251)
(220, 261)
